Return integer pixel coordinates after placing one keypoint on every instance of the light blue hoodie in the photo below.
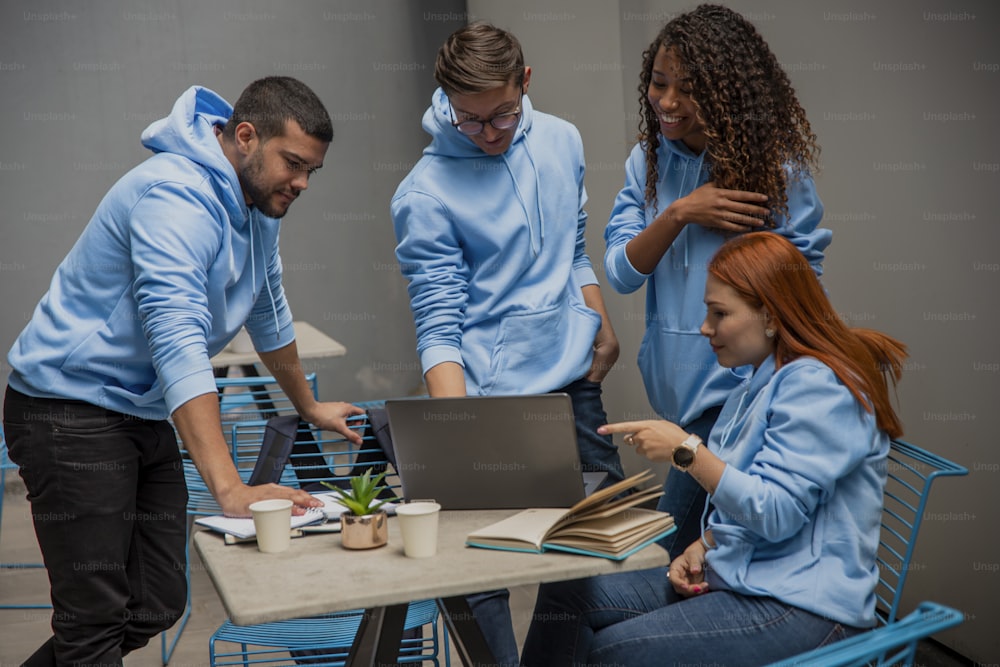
(680, 371)
(163, 276)
(493, 248)
(798, 507)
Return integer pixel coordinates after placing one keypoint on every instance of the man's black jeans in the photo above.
(107, 498)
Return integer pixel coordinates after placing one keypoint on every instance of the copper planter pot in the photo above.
(364, 532)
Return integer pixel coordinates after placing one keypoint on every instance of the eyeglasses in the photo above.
(502, 121)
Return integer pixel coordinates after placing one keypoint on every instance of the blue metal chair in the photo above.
(892, 645)
(5, 465)
(241, 399)
(317, 457)
(911, 471)
(327, 639)
(322, 639)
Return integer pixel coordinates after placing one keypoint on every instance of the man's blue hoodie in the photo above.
(493, 248)
(164, 275)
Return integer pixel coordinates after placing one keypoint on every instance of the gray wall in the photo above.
(902, 96)
(81, 81)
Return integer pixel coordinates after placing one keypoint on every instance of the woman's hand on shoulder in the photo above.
(727, 210)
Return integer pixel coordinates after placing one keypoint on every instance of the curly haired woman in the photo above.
(796, 468)
(724, 148)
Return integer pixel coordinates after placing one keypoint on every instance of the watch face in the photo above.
(683, 457)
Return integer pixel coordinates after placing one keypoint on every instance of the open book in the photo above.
(599, 525)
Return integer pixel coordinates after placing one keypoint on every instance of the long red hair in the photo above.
(769, 272)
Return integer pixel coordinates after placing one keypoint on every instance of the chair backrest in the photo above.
(319, 457)
(911, 470)
(254, 399)
(888, 646)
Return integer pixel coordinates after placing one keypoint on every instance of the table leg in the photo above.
(378, 638)
(470, 644)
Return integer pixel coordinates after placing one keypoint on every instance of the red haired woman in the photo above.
(795, 469)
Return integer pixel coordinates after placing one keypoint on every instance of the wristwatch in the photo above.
(684, 454)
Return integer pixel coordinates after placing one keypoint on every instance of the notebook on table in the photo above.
(489, 452)
(282, 435)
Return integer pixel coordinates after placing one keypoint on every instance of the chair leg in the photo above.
(167, 646)
(4, 467)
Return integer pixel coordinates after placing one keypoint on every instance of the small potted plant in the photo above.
(365, 524)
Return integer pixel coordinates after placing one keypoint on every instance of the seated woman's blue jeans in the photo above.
(636, 618)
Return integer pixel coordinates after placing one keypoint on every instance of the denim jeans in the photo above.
(635, 618)
(107, 498)
(598, 453)
(683, 497)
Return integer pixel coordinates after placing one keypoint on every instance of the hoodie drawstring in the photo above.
(267, 282)
(524, 206)
(682, 192)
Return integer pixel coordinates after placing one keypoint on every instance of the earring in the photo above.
(769, 332)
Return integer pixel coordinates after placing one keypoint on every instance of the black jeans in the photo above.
(107, 498)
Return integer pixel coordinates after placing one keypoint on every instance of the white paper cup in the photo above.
(272, 519)
(418, 522)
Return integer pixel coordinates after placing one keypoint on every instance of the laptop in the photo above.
(488, 452)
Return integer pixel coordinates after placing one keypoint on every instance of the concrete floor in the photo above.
(23, 630)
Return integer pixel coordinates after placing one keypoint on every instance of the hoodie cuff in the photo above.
(439, 354)
(623, 272)
(192, 386)
(266, 341)
(585, 276)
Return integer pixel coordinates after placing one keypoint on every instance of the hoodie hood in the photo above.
(189, 131)
(449, 142)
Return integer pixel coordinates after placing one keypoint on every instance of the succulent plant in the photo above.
(362, 498)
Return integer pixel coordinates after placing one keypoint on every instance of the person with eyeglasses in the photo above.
(490, 229)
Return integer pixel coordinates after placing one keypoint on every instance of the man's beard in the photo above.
(250, 180)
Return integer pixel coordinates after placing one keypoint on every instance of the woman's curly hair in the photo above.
(754, 124)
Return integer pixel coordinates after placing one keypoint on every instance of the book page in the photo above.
(617, 526)
(603, 495)
(527, 527)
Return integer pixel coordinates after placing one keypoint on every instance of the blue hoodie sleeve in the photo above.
(801, 227)
(582, 267)
(628, 219)
(802, 457)
(174, 237)
(430, 258)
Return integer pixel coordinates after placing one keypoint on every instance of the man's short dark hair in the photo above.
(269, 102)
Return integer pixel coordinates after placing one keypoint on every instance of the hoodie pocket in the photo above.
(537, 349)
